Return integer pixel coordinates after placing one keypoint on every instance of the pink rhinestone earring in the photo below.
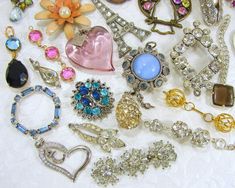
(51, 53)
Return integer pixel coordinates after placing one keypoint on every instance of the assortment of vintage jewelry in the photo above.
(133, 162)
(181, 9)
(92, 99)
(143, 68)
(52, 53)
(48, 150)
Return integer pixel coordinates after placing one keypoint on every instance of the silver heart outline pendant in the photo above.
(48, 151)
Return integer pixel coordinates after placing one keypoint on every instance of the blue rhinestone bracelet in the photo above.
(27, 92)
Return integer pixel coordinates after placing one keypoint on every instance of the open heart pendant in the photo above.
(49, 150)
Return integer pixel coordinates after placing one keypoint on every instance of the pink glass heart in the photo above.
(95, 53)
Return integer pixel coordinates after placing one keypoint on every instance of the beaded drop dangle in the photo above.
(52, 53)
(223, 122)
(19, 6)
(16, 73)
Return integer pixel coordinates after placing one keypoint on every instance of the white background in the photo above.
(19, 163)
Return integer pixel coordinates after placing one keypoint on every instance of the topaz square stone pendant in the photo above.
(92, 99)
(145, 68)
(223, 95)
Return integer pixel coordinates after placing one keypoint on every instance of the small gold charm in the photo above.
(223, 122)
(128, 113)
(105, 137)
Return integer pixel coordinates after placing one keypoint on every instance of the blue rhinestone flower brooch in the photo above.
(92, 99)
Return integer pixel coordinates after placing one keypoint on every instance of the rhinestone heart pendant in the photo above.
(49, 150)
(92, 49)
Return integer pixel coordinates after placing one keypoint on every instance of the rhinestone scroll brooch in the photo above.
(133, 162)
(92, 99)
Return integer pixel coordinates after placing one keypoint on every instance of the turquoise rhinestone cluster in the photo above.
(28, 92)
(92, 99)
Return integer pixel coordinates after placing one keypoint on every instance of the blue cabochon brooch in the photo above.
(145, 69)
(92, 99)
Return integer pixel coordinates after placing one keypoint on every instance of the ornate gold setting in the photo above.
(223, 122)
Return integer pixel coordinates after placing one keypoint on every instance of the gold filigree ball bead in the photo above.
(128, 113)
(175, 98)
(224, 122)
(65, 12)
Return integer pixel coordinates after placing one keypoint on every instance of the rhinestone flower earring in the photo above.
(51, 53)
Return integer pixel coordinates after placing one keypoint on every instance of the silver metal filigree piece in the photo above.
(48, 153)
(212, 11)
(120, 27)
(106, 138)
(133, 162)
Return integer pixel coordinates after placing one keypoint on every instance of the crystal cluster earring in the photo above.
(51, 53)
(92, 99)
(16, 73)
(19, 6)
(223, 122)
(181, 132)
(106, 138)
(160, 155)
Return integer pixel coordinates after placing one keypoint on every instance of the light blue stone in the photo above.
(27, 91)
(96, 85)
(79, 106)
(78, 96)
(87, 110)
(96, 111)
(104, 92)
(21, 128)
(146, 66)
(57, 113)
(49, 92)
(105, 101)
(13, 44)
(43, 130)
(88, 84)
(16, 14)
(13, 109)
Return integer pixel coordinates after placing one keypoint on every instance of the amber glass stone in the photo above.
(223, 95)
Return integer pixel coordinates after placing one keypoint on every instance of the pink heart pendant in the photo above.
(96, 51)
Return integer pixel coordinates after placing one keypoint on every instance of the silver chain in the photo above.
(224, 48)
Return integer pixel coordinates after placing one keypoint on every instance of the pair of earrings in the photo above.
(51, 53)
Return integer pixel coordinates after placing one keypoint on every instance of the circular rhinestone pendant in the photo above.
(68, 74)
(146, 66)
(35, 36)
(13, 44)
(52, 53)
(92, 99)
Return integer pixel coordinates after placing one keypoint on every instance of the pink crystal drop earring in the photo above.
(51, 53)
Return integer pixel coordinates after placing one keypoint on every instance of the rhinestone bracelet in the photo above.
(27, 92)
(181, 132)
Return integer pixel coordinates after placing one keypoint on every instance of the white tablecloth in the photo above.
(20, 165)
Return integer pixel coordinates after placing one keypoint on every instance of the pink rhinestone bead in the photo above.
(68, 74)
(52, 53)
(35, 36)
(182, 11)
(148, 5)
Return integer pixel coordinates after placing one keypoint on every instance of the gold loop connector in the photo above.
(9, 32)
(189, 106)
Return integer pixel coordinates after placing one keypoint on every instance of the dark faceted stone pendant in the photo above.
(223, 95)
(16, 74)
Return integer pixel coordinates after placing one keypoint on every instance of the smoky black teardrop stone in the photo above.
(16, 74)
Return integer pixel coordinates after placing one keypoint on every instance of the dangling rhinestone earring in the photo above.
(16, 73)
(52, 53)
